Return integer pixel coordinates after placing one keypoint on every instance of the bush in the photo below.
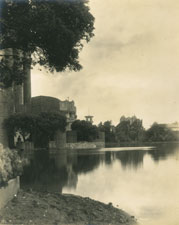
(11, 165)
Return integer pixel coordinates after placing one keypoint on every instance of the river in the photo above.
(143, 181)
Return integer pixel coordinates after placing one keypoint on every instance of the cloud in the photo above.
(129, 67)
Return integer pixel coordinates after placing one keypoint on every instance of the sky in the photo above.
(130, 67)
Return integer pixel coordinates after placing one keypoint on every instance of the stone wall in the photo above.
(71, 136)
(7, 193)
(81, 145)
(99, 144)
(6, 109)
(100, 141)
(44, 104)
(60, 139)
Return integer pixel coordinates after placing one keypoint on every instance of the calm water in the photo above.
(142, 181)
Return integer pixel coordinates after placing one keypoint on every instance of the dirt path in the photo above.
(53, 208)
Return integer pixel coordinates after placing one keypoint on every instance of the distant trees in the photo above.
(85, 130)
(130, 129)
(160, 132)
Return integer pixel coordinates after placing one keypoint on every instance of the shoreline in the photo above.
(61, 209)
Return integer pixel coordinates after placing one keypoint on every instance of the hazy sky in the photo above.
(130, 67)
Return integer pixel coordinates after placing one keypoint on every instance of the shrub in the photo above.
(11, 165)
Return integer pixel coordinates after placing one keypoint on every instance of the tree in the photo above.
(22, 123)
(52, 32)
(38, 128)
(130, 129)
(85, 130)
(122, 131)
(107, 128)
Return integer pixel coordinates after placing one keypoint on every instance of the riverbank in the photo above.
(53, 208)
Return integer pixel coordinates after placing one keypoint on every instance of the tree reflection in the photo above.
(43, 175)
(131, 159)
(163, 151)
(86, 163)
(48, 172)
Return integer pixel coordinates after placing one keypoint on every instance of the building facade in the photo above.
(50, 104)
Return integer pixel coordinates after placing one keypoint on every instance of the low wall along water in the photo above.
(8, 192)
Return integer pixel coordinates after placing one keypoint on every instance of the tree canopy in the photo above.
(108, 129)
(85, 130)
(39, 128)
(130, 130)
(160, 132)
(51, 31)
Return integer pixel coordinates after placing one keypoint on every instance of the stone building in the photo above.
(18, 97)
(89, 119)
(173, 126)
(50, 104)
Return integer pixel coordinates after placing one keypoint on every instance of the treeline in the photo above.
(131, 129)
(128, 130)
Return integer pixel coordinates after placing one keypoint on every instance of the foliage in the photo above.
(85, 130)
(109, 131)
(53, 32)
(130, 130)
(160, 132)
(45, 127)
(11, 165)
(21, 122)
(11, 69)
(39, 128)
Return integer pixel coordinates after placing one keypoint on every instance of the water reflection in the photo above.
(45, 174)
(164, 151)
(48, 172)
(131, 159)
(142, 181)
(86, 163)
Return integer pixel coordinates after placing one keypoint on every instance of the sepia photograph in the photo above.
(89, 112)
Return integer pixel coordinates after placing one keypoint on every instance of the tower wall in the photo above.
(6, 109)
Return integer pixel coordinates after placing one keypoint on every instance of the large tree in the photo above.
(51, 31)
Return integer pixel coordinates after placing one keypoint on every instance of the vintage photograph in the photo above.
(89, 112)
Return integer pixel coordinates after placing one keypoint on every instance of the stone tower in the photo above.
(16, 98)
(89, 119)
(6, 99)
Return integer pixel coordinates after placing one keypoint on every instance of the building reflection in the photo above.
(43, 174)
